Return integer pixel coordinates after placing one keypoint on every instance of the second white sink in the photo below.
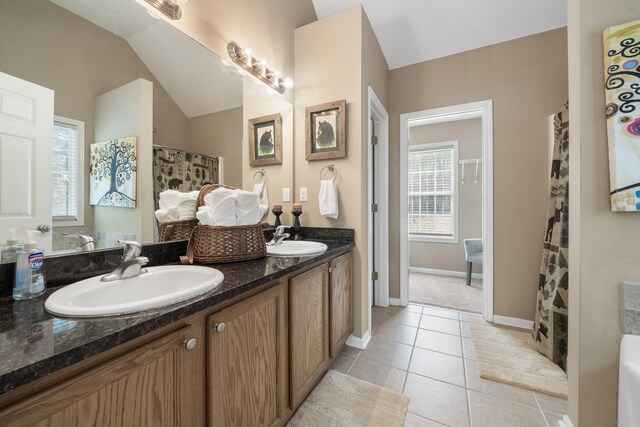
(159, 287)
(297, 248)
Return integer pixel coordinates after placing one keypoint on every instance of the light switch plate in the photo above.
(286, 194)
(303, 194)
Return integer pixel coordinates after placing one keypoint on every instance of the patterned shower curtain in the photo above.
(552, 312)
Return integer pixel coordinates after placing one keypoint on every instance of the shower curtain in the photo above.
(552, 312)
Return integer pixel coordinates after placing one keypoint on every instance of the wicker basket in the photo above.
(176, 230)
(210, 244)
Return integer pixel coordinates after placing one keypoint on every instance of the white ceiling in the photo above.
(198, 80)
(412, 31)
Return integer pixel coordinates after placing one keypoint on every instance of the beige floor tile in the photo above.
(552, 419)
(399, 333)
(465, 329)
(438, 366)
(553, 404)
(388, 352)
(497, 389)
(468, 349)
(473, 318)
(351, 350)
(343, 362)
(491, 411)
(413, 420)
(440, 324)
(437, 401)
(404, 317)
(379, 374)
(437, 341)
(376, 316)
(440, 312)
(414, 308)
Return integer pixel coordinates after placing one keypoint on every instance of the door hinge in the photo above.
(374, 275)
(374, 207)
(374, 140)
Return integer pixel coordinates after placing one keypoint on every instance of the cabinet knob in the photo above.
(330, 269)
(190, 344)
(219, 327)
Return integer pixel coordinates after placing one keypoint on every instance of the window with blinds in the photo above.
(432, 207)
(67, 147)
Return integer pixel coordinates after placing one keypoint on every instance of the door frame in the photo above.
(377, 111)
(484, 111)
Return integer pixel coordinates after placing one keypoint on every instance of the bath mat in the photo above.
(509, 356)
(343, 401)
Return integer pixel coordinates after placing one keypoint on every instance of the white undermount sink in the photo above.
(629, 384)
(159, 287)
(297, 248)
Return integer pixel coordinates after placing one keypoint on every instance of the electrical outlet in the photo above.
(303, 194)
(286, 194)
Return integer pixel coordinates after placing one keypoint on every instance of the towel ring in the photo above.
(331, 168)
(263, 174)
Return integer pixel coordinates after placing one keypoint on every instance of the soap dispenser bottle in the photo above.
(29, 280)
(12, 248)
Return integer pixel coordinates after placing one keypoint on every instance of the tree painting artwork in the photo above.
(112, 172)
(622, 90)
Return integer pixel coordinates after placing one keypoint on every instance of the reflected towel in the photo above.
(219, 208)
(166, 215)
(184, 203)
(248, 207)
(263, 193)
(328, 199)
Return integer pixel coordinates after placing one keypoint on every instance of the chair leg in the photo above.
(469, 267)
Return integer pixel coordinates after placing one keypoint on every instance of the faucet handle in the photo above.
(132, 249)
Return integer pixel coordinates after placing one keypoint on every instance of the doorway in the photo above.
(439, 212)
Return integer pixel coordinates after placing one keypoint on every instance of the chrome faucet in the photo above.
(131, 264)
(278, 236)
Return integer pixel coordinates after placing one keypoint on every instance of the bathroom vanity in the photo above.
(246, 353)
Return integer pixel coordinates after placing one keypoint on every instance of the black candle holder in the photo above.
(296, 225)
(277, 213)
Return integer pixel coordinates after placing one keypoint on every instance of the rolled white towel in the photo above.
(165, 215)
(328, 199)
(172, 198)
(248, 207)
(204, 215)
(222, 204)
(187, 209)
(262, 191)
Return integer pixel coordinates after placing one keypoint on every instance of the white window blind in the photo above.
(65, 169)
(432, 192)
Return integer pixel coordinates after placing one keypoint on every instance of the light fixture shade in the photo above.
(170, 8)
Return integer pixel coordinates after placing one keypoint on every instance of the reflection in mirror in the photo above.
(116, 71)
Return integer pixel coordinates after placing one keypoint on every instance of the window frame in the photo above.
(456, 192)
(80, 189)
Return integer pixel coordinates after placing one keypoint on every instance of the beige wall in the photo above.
(219, 134)
(450, 256)
(266, 27)
(328, 72)
(603, 244)
(527, 80)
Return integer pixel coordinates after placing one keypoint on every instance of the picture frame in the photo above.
(265, 140)
(325, 131)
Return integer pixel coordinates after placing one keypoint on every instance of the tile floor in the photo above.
(427, 354)
(446, 291)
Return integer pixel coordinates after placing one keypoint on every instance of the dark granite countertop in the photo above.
(34, 343)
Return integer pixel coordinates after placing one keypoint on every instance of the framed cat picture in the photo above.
(325, 131)
(265, 140)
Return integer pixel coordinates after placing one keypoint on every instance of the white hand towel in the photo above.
(328, 199)
(172, 198)
(187, 209)
(222, 205)
(263, 193)
(248, 207)
(165, 215)
(204, 215)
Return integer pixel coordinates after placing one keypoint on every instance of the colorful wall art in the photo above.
(622, 87)
(112, 172)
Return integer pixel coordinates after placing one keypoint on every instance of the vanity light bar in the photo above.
(257, 68)
(171, 8)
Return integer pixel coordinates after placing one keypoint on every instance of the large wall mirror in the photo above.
(118, 70)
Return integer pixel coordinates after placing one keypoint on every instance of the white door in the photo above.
(26, 129)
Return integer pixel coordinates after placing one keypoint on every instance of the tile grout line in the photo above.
(544, 417)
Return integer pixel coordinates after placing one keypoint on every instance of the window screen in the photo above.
(432, 192)
(65, 171)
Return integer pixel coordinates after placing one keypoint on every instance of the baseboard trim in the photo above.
(394, 301)
(565, 422)
(444, 272)
(513, 321)
(358, 342)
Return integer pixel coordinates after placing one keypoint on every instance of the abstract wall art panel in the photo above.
(622, 88)
(112, 173)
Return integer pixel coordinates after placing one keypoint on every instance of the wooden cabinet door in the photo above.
(247, 361)
(340, 302)
(309, 331)
(158, 384)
